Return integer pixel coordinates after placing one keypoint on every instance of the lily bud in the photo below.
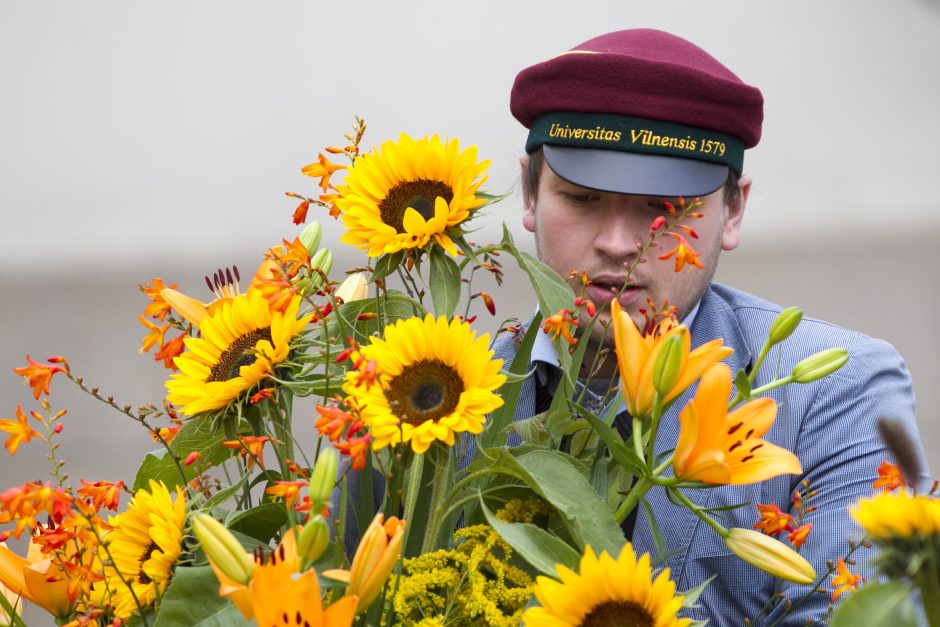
(668, 365)
(355, 287)
(784, 325)
(819, 365)
(223, 549)
(310, 237)
(769, 555)
(314, 538)
(323, 478)
(322, 259)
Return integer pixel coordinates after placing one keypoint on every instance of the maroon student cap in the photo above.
(638, 112)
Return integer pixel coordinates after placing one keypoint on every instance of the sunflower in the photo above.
(143, 547)
(433, 378)
(898, 515)
(407, 193)
(607, 592)
(241, 343)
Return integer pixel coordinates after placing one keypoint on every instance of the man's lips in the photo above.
(603, 289)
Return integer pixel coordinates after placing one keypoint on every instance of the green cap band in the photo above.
(629, 134)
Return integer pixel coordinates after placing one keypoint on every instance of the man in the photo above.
(619, 126)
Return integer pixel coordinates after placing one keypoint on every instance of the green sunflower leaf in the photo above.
(193, 599)
(444, 282)
(260, 522)
(538, 547)
(196, 436)
(878, 605)
(386, 265)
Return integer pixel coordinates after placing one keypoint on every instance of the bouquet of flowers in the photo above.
(422, 502)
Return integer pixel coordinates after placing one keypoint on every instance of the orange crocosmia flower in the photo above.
(637, 353)
(721, 448)
(261, 395)
(799, 535)
(889, 477)
(773, 520)
(357, 449)
(171, 350)
(366, 375)
(39, 376)
(158, 308)
(105, 494)
(250, 447)
(287, 490)
(155, 337)
(683, 252)
(273, 285)
(844, 581)
(167, 433)
(23, 504)
(324, 169)
(330, 199)
(19, 430)
(300, 213)
(332, 421)
(560, 324)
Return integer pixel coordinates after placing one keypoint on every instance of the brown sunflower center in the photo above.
(618, 614)
(426, 390)
(419, 195)
(142, 576)
(240, 353)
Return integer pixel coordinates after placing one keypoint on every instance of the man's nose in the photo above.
(620, 234)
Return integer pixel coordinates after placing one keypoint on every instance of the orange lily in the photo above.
(19, 430)
(374, 559)
(636, 357)
(721, 448)
(37, 580)
(278, 590)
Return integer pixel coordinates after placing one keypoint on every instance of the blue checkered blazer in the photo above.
(830, 424)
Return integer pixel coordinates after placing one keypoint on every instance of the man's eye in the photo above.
(581, 198)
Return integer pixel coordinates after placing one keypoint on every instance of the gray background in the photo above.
(141, 140)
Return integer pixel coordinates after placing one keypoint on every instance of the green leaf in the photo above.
(878, 605)
(386, 265)
(552, 291)
(444, 282)
(538, 547)
(196, 435)
(260, 522)
(743, 385)
(193, 599)
(620, 452)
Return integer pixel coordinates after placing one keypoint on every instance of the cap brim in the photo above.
(635, 173)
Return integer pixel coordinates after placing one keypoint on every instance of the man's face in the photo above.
(602, 233)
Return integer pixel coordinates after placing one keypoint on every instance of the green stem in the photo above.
(929, 583)
(438, 491)
(414, 486)
(654, 426)
(638, 438)
(637, 492)
(773, 385)
(695, 509)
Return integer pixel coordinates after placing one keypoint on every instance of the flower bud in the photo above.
(669, 362)
(310, 237)
(769, 555)
(819, 365)
(314, 538)
(224, 551)
(784, 325)
(355, 287)
(323, 478)
(322, 259)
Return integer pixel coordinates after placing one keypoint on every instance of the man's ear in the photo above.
(731, 232)
(528, 202)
